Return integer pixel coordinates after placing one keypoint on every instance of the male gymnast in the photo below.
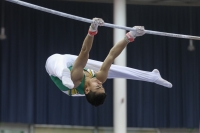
(81, 76)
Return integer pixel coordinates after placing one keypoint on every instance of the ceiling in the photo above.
(151, 2)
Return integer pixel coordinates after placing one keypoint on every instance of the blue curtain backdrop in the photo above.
(28, 96)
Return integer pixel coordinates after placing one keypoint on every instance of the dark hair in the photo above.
(95, 99)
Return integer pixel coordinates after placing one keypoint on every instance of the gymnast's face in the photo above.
(96, 86)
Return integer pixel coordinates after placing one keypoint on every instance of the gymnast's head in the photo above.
(94, 92)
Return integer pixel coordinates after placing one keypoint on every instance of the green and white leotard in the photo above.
(78, 91)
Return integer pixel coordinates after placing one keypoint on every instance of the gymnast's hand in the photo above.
(94, 26)
(139, 31)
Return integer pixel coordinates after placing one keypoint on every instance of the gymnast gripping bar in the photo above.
(105, 24)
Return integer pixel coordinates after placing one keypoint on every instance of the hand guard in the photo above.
(94, 26)
(131, 35)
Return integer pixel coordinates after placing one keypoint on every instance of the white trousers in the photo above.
(57, 62)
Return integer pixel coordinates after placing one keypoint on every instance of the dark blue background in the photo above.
(29, 96)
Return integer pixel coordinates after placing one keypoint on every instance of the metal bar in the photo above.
(105, 24)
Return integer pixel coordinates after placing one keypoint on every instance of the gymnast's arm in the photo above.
(102, 74)
(114, 52)
(80, 62)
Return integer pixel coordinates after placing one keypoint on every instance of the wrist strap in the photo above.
(129, 37)
(92, 33)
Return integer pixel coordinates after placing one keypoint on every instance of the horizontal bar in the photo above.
(105, 24)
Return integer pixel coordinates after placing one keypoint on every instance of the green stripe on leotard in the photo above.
(78, 90)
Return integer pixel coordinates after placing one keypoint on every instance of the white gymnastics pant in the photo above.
(57, 62)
